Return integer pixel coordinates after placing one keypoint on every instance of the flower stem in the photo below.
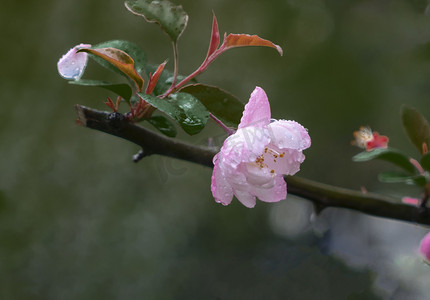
(200, 70)
(176, 62)
(229, 130)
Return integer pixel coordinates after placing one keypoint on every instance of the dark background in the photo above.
(80, 220)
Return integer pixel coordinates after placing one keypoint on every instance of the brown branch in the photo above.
(322, 195)
(151, 142)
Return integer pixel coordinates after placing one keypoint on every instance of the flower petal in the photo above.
(245, 198)
(72, 64)
(220, 187)
(257, 110)
(285, 161)
(277, 193)
(289, 135)
(245, 145)
(257, 176)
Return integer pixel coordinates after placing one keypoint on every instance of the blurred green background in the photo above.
(80, 220)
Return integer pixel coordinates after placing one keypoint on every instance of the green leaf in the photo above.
(397, 177)
(223, 105)
(171, 18)
(123, 90)
(130, 48)
(165, 80)
(182, 107)
(387, 154)
(163, 125)
(417, 127)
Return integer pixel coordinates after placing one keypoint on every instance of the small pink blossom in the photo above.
(72, 64)
(411, 201)
(366, 139)
(425, 247)
(378, 141)
(253, 160)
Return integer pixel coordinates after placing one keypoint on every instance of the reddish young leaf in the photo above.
(214, 43)
(120, 60)
(241, 40)
(153, 79)
(110, 104)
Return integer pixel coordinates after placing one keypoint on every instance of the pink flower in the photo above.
(252, 161)
(72, 64)
(411, 201)
(425, 247)
(366, 139)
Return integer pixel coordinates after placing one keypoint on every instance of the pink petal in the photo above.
(245, 198)
(72, 65)
(289, 135)
(378, 141)
(425, 246)
(283, 161)
(259, 177)
(257, 110)
(245, 145)
(277, 193)
(220, 187)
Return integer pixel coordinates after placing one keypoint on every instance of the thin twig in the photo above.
(322, 195)
(228, 130)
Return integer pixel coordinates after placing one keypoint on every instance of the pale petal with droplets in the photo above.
(72, 64)
(285, 161)
(221, 189)
(289, 134)
(275, 194)
(245, 198)
(257, 110)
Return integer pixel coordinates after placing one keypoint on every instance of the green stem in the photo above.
(322, 195)
(176, 63)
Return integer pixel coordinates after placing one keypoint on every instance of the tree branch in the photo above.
(322, 195)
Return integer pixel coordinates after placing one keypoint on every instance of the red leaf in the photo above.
(153, 79)
(241, 40)
(214, 43)
(119, 59)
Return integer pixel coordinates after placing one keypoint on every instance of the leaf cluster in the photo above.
(179, 98)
